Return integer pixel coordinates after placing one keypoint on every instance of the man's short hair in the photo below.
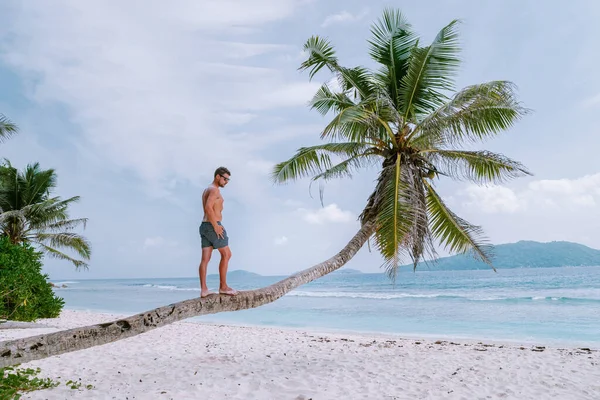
(221, 171)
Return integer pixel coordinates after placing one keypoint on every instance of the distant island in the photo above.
(239, 273)
(522, 254)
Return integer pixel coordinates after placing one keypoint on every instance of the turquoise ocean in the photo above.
(553, 306)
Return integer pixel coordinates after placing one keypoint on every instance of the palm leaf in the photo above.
(325, 100)
(49, 211)
(430, 72)
(29, 214)
(69, 240)
(321, 54)
(35, 183)
(359, 123)
(453, 232)
(420, 239)
(66, 225)
(7, 128)
(345, 168)
(357, 80)
(391, 46)
(477, 166)
(473, 114)
(62, 256)
(314, 160)
(393, 218)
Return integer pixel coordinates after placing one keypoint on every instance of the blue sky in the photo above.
(136, 103)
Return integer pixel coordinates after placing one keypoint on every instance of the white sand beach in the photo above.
(203, 361)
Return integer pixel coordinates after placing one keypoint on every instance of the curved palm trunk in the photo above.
(42, 346)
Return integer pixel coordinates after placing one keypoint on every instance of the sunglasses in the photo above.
(226, 179)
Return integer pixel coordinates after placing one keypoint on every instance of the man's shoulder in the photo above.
(212, 189)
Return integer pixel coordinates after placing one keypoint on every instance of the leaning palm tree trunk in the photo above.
(37, 347)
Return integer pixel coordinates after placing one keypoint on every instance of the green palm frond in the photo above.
(320, 54)
(36, 183)
(351, 124)
(69, 240)
(359, 123)
(345, 168)
(420, 239)
(64, 225)
(477, 166)
(453, 232)
(7, 128)
(357, 80)
(430, 72)
(393, 218)
(326, 100)
(29, 214)
(62, 256)
(473, 114)
(48, 211)
(314, 160)
(391, 45)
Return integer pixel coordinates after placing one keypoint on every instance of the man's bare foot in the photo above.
(228, 291)
(205, 292)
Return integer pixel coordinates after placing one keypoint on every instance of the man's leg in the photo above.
(206, 253)
(223, 266)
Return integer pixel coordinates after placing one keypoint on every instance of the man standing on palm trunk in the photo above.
(213, 233)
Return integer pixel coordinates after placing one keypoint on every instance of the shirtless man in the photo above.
(213, 234)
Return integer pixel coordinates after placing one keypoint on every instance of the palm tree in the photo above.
(28, 213)
(398, 116)
(7, 128)
(402, 118)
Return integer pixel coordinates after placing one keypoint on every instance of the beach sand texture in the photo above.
(203, 361)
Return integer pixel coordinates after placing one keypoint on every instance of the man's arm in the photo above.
(209, 210)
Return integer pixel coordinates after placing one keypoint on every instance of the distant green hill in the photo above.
(239, 273)
(523, 254)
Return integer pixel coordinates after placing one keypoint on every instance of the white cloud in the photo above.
(492, 199)
(280, 240)
(330, 213)
(537, 196)
(344, 17)
(568, 187)
(150, 88)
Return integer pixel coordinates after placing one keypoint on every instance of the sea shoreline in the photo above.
(555, 343)
(190, 360)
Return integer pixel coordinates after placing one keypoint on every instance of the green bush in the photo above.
(25, 293)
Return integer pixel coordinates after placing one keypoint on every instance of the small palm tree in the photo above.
(402, 118)
(7, 128)
(28, 213)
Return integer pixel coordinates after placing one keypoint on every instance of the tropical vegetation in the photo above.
(7, 128)
(25, 293)
(405, 118)
(29, 213)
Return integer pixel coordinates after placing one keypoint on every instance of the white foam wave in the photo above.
(167, 287)
(359, 295)
(391, 296)
(65, 283)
